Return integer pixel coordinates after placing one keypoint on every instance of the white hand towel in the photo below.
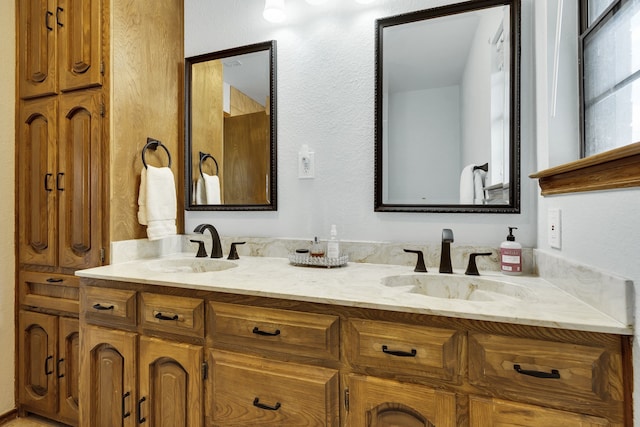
(200, 196)
(157, 202)
(467, 185)
(212, 189)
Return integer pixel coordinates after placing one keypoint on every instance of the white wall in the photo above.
(428, 124)
(325, 63)
(7, 213)
(601, 228)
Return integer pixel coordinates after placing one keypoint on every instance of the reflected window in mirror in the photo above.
(230, 129)
(447, 109)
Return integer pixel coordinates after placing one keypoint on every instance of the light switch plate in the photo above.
(555, 228)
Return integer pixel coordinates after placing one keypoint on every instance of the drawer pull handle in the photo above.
(538, 374)
(99, 306)
(54, 280)
(257, 404)
(125, 413)
(161, 316)
(46, 365)
(257, 331)
(399, 353)
(141, 419)
(60, 361)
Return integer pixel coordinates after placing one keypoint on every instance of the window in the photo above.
(610, 74)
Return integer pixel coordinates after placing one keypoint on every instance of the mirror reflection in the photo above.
(230, 129)
(447, 133)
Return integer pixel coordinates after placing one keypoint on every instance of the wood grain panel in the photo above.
(375, 402)
(37, 71)
(495, 412)
(146, 85)
(38, 340)
(171, 383)
(109, 307)
(107, 378)
(50, 291)
(79, 180)
(172, 314)
(281, 331)
(37, 136)
(587, 376)
(68, 369)
(296, 395)
(403, 351)
(79, 26)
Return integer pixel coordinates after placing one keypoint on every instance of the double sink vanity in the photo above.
(179, 340)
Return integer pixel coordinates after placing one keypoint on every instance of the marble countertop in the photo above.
(525, 300)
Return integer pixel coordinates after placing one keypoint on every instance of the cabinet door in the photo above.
(36, 182)
(37, 362)
(107, 378)
(170, 390)
(68, 368)
(79, 26)
(78, 180)
(375, 402)
(494, 412)
(37, 47)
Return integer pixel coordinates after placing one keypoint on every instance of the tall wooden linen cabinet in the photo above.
(95, 78)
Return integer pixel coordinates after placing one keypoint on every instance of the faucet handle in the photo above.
(472, 268)
(202, 252)
(420, 268)
(233, 253)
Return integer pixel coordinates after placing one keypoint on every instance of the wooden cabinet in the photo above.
(129, 378)
(60, 156)
(59, 46)
(49, 365)
(375, 402)
(274, 362)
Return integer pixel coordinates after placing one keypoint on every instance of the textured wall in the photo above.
(7, 225)
(326, 93)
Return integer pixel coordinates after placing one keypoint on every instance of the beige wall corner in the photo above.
(7, 213)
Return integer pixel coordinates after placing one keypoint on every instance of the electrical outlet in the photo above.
(306, 165)
(555, 228)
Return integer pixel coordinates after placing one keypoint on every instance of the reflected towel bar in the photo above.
(205, 156)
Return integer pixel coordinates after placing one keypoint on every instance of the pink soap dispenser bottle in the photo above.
(511, 254)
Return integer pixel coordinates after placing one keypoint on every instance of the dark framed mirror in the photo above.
(447, 120)
(230, 129)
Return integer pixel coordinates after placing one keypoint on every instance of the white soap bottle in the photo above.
(333, 245)
(511, 254)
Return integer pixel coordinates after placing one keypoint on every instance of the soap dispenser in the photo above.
(333, 246)
(511, 254)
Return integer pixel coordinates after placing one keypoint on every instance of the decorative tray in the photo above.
(307, 260)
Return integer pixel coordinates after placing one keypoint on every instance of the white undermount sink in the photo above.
(189, 265)
(468, 288)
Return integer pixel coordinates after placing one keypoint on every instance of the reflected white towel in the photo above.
(199, 194)
(211, 189)
(478, 186)
(157, 203)
(467, 189)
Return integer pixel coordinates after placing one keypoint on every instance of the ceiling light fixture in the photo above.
(274, 11)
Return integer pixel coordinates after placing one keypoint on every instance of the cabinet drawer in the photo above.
(172, 314)
(405, 351)
(109, 307)
(247, 391)
(548, 373)
(52, 291)
(282, 331)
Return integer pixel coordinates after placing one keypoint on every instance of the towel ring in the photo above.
(153, 144)
(484, 167)
(205, 156)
